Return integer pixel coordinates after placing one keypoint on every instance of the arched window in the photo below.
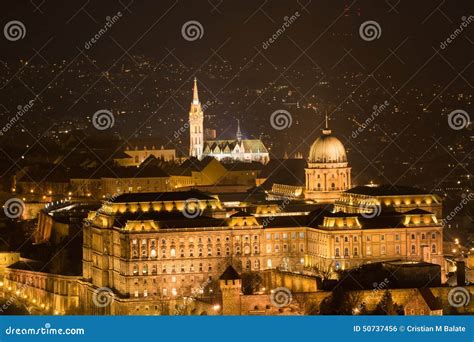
(153, 253)
(413, 249)
(337, 252)
(433, 248)
(173, 252)
(346, 251)
(247, 250)
(355, 251)
(248, 266)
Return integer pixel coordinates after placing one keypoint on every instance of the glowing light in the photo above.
(216, 307)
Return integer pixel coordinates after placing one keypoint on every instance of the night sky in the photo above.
(320, 62)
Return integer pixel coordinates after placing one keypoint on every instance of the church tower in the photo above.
(328, 173)
(196, 125)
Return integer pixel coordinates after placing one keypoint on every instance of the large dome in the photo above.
(327, 149)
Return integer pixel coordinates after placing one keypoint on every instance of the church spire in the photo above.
(196, 125)
(195, 92)
(239, 133)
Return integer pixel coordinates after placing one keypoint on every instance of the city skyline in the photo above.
(223, 158)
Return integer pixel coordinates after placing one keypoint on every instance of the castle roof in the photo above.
(229, 274)
(386, 190)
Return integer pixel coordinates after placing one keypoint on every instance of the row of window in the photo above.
(383, 250)
(284, 236)
(382, 237)
(200, 252)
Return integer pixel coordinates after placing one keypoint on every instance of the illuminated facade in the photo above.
(328, 173)
(238, 149)
(145, 248)
(399, 198)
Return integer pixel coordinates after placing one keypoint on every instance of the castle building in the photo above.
(238, 149)
(328, 173)
(150, 246)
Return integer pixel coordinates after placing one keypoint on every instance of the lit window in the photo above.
(173, 252)
(269, 263)
(145, 293)
(173, 279)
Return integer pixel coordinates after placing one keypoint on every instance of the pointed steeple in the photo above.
(196, 125)
(195, 92)
(239, 133)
